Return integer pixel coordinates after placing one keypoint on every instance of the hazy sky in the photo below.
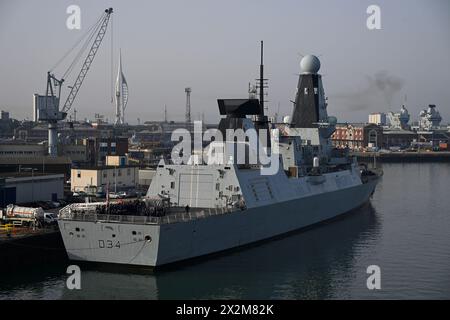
(213, 47)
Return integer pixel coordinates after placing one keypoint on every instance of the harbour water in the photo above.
(405, 230)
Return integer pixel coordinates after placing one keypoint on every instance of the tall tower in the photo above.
(121, 94)
(188, 104)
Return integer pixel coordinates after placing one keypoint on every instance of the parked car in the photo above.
(123, 194)
(79, 194)
(53, 204)
(50, 218)
(114, 195)
(140, 193)
(132, 194)
(100, 194)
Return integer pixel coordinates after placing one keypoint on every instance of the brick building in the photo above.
(357, 136)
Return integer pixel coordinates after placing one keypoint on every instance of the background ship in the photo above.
(198, 208)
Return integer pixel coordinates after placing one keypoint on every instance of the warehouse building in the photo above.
(30, 187)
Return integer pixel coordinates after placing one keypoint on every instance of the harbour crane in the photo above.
(48, 106)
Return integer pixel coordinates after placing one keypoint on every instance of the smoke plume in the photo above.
(377, 93)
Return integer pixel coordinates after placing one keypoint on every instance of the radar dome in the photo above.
(332, 120)
(310, 64)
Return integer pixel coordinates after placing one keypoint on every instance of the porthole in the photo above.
(148, 238)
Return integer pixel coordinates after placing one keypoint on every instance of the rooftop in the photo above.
(97, 168)
(399, 131)
(28, 175)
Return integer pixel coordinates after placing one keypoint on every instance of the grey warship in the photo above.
(196, 208)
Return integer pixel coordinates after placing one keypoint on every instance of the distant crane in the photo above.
(48, 105)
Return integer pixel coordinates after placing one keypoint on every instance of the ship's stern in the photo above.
(106, 242)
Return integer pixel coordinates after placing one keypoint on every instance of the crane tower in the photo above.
(48, 106)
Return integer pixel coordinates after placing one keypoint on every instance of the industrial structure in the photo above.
(47, 107)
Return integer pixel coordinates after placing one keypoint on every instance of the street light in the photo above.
(32, 180)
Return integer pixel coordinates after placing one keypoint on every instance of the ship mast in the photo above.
(261, 83)
(261, 119)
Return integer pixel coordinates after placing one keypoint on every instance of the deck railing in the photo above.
(88, 213)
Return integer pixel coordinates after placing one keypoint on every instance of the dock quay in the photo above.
(25, 246)
(405, 156)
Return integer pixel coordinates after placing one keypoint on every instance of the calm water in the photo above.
(405, 230)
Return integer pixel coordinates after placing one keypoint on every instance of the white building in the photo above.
(378, 118)
(103, 177)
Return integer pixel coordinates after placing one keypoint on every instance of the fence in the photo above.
(86, 213)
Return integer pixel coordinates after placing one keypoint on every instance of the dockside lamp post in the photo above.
(32, 180)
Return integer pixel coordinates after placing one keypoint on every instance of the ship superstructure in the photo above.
(219, 199)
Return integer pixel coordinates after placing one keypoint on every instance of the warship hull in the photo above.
(160, 244)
